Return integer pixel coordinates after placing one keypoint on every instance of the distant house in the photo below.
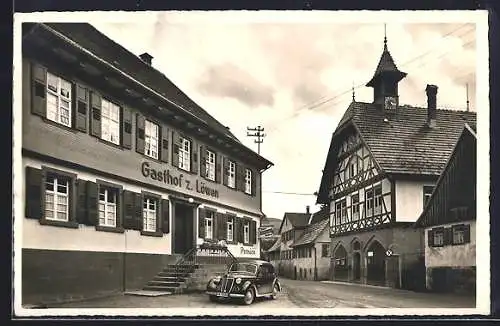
(302, 250)
(268, 234)
(449, 221)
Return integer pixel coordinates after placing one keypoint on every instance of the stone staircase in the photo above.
(172, 278)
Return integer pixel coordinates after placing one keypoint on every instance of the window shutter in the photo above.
(240, 177)
(126, 127)
(92, 204)
(39, 90)
(242, 230)
(95, 120)
(138, 214)
(253, 235)
(221, 226)
(203, 160)
(194, 157)
(201, 223)
(164, 144)
(80, 107)
(225, 219)
(128, 210)
(119, 208)
(447, 236)
(225, 170)
(176, 142)
(140, 133)
(236, 229)
(217, 168)
(254, 182)
(430, 238)
(34, 192)
(165, 215)
(81, 204)
(467, 233)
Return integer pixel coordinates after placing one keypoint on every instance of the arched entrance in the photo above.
(340, 264)
(375, 259)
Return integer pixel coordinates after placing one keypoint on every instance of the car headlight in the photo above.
(211, 284)
(217, 279)
(238, 280)
(245, 285)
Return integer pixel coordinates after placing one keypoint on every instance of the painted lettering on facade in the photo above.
(247, 251)
(177, 180)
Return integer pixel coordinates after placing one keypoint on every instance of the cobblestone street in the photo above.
(300, 294)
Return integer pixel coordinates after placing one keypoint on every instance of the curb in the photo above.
(360, 285)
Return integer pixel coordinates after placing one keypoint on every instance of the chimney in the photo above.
(431, 91)
(146, 57)
(307, 209)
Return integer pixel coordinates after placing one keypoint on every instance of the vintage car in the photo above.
(245, 281)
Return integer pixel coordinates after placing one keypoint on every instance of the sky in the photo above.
(294, 78)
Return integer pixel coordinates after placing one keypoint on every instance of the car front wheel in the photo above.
(249, 296)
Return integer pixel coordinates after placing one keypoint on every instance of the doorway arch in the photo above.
(375, 263)
(340, 263)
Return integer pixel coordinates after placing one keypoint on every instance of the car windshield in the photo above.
(243, 267)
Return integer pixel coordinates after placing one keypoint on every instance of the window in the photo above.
(107, 206)
(338, 207)
(246, 232)
(248, 181)
(355, 207)
(231, 173)
(210, 165)
(185, 154)
(427, 193)
(353, 167)
(378, 200)
(230, 225)
(458, 235)
(110, 122)
(325, 248)
(151, 139)
(369, 202)
(343, 211)
(209, 223)
(56, 198)
(58, 100)
(438, 238)
(149, 213)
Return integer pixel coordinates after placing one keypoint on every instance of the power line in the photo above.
(258, 132)
(290, 193)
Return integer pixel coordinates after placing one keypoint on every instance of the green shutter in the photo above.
(92, 203)
(81, 107)
(194, 157)
(217, 167)
(34, 192)
(430, 238)
(201, 223)
(140, 133)
(165, 215)
(467, 233)
(38, 90)
(225, 170)
(203, 161)
(164, 152)
(126, 127)
(128, 210)
(81, 204)
(95, 112)
(138, 214)
(176, 142)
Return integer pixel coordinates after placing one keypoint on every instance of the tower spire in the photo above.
(385, 37)
(353, 94)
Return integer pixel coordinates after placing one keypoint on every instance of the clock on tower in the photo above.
(390, 103)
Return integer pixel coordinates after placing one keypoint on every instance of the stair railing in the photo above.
(206, 253)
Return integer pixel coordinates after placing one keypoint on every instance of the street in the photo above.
(298, 294)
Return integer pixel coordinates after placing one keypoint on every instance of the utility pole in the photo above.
(257, 132)
(467, 95)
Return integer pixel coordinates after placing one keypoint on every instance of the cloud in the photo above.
(228, 80)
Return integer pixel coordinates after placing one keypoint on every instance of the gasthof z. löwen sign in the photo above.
(177, 179)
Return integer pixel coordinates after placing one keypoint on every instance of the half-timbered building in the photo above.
(123, 172)
(449, 222)
(381, 168)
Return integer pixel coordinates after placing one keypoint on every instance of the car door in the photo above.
(260, 281)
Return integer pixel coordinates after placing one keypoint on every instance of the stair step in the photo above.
(170, 274)
(175, 290)
(169, 278)
(163, 283)
(168, 268)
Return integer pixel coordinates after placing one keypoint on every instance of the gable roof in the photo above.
(275, 246)
(323, 213)
(402, 145)
(461, 162)
(311, 233)
(102, 46)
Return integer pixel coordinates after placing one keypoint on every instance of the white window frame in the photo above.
(149, 214)
(60, 114)
(110, 122)
(377, 200)
(210, 165)
(438, 235)
(355, 207)
(151, 141)
(59, 205)
(107, 206)
(248, 181)
(209, 225)
(246, 232)
(185, 154)
(230, 229)
(369, 200)
(458, 234)
(231, 176)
